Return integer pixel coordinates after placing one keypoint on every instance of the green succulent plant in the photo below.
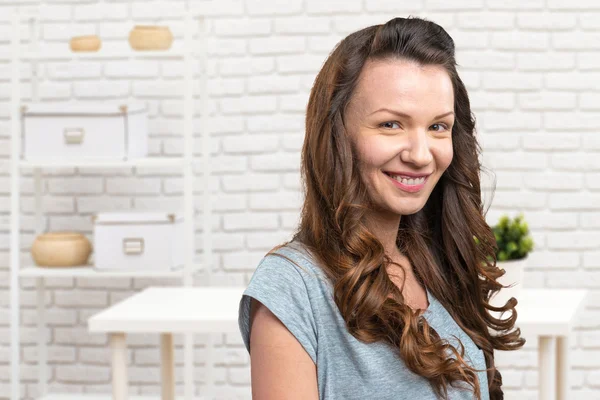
(512, 238)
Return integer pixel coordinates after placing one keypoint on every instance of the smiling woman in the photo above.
(382, 293)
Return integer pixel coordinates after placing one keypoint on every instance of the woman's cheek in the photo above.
(445, 155)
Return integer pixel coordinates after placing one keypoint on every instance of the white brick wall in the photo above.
(532, 70)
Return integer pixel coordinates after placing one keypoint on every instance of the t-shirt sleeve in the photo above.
(279, 285)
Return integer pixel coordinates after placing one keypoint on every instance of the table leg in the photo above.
(188, 366)
(547, 368)
(167, 366)
(119, 366)
(564, 367)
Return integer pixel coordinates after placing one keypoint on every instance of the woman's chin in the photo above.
(406, 210)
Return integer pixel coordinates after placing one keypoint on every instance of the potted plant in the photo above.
(513, 246)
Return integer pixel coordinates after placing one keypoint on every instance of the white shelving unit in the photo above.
(92, 396)
(17, 166)
(87, 272)
(140, 162)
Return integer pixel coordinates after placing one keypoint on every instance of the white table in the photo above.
(166, 311)
(550, 315)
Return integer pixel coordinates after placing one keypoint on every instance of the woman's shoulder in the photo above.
(286, 282)
(295, 259)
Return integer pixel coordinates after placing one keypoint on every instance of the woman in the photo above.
(382, 293)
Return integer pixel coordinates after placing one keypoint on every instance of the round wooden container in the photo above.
(150, 37)
(61, 249)
(85, 43)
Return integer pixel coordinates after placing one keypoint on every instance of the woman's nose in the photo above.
(417, 151)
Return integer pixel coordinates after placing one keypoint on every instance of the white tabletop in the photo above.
(545, 312)
(173, 310)
(548, 312)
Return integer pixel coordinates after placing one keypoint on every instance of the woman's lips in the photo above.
(407, 188)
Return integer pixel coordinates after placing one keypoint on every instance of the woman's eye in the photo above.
(389, 124)
(442, 125)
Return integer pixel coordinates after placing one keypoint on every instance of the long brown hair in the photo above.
(438, 240)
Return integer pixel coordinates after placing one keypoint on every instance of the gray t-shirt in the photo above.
(347, 369)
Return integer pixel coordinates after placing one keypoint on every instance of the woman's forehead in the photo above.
(403, 85)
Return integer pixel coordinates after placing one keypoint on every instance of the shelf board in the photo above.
(140, 162)
(91, 272)
(103, 54)
(100, 396)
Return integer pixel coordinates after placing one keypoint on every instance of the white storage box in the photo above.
(139, 241)
(75, 131)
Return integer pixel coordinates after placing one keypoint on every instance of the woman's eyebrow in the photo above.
(400, 113)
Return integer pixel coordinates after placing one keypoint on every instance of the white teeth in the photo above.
(411, 181)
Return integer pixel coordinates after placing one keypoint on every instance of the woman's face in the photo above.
(400, 119)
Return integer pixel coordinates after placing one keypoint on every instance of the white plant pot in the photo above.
(515, 272)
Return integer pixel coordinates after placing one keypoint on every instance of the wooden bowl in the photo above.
(150, 37)
(85, 43)
(61, 249)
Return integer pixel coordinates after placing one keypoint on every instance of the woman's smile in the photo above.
(407, 185)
